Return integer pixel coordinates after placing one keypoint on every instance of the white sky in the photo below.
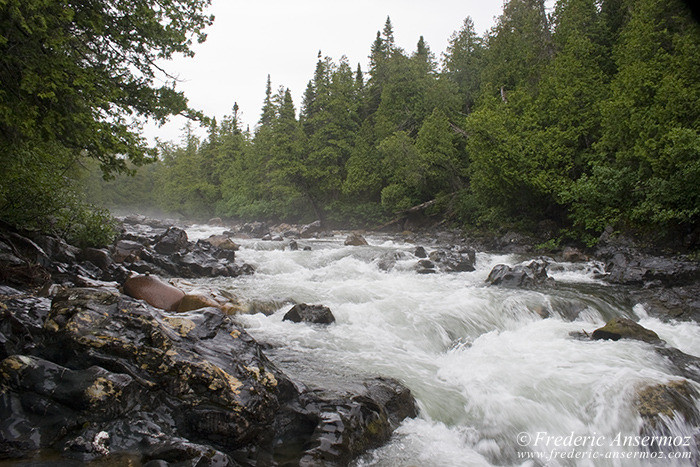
(253, 38)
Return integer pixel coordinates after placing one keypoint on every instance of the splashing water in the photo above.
(493, 370)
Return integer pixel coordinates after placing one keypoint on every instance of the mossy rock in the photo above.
(668, 400)
(624, 328)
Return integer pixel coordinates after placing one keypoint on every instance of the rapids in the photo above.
(490, 375)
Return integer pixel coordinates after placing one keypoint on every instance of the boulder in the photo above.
(451, 261)
(154, 292)
(223, 242)
(625, 328)
(425, 266)
(216, 222)
(126, 250)
(419, 252)
(118, 377)
(173, 240)
(100, 257)
(293, 245)
(255, 229)
(302, 312)
(309, 230)
(660, 405)
(573, 255)
(522, 275)
(355, 239)
(349, 426)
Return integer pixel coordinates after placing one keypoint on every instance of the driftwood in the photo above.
(403, 216)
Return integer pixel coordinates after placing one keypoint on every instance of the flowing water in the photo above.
(493, 378)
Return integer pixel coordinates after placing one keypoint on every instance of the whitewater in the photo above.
(493, 370)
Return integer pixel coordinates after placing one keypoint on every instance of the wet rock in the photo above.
(514, 242)
(687, 366)
(173, 240)
(154, 291)
(255, 229)
(451, 261)
(355, 239)
(625, 328)
(223, 242)
(100, 257)
(216, 222)
(674, 302)
(266, 238)
(348, 426)
(119, 376)
(425, 266)
(311, 229)
(661, 404)
(124, 250)
(387, 261)
(419, 252)
(573, 255)
(522, 275)
(293, 245)
(302, 312)
(21, 321)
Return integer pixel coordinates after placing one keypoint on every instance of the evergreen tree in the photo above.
(462, 63)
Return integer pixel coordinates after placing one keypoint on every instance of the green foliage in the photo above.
(582, 119)
(75, 79)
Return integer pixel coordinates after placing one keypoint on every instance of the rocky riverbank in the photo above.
(88, 372)
(100, 359)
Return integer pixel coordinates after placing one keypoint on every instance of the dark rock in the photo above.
(680, 303)
(347, 427)
(687, 366)
(522, 275)
(309, 230)
(21, 322)
(255, 229)
(100, 257)
(173, 240)
(419, 252)
(573, 255)
(119, 376)
(619, 328)
(302, 312)
(355, 239)
(387, 261)
(126, 250)
(513, 242)
(451, 261)
(293, 245)
(306, 248)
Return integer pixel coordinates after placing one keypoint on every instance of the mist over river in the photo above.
(494, 370)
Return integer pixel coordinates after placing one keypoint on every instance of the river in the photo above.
(496, 383)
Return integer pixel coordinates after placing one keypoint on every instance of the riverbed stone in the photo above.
(118, 377)
(661, 405)
(355, 239)
(317, 314)
(625, 328)
(523, 275)
(173, 240)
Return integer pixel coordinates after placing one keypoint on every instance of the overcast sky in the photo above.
(253, 38)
